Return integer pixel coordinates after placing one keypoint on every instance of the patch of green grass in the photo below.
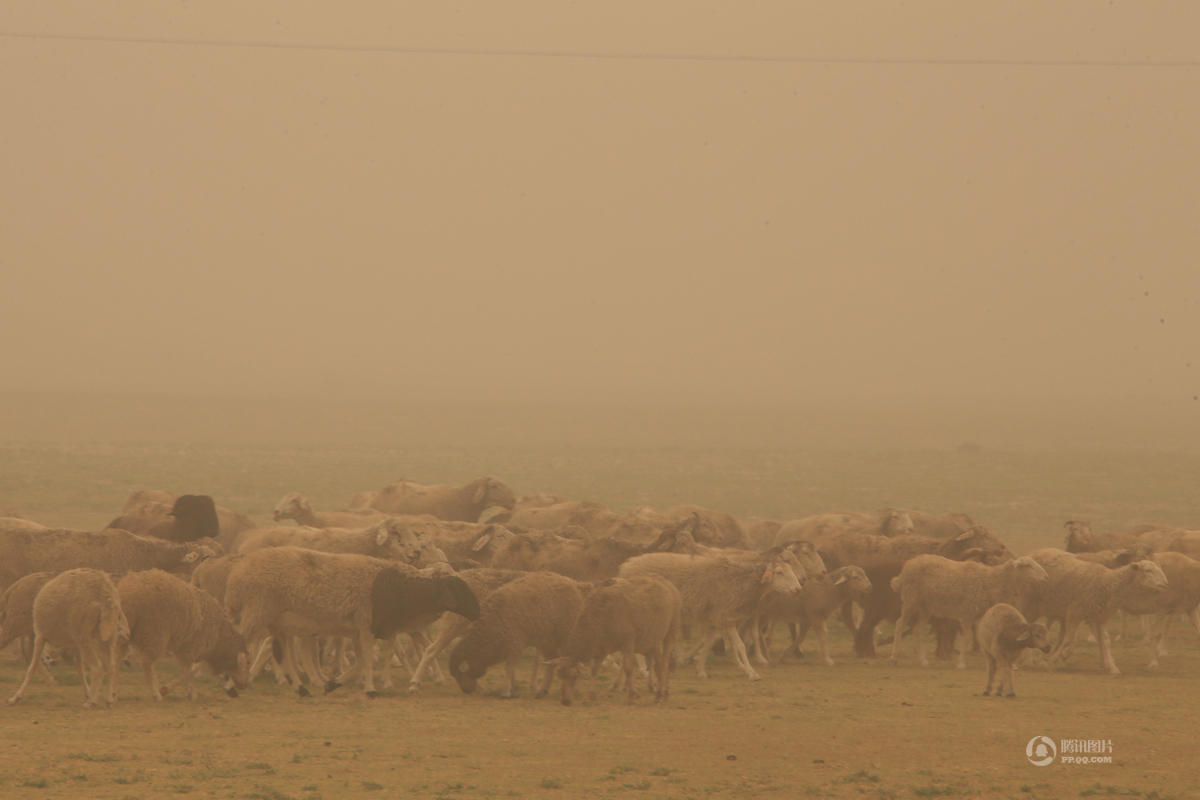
(40, 783)
(89, 757)
(550, 783)
(862, 776)
(1100, 790)
(372, 786)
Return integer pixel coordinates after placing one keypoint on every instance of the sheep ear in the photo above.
(962, 537)
(381, 536)
(480, 493)
(766, 575)
(191, 557)
(482, 541)
(464, 667)
(840, 581)
(553, 662)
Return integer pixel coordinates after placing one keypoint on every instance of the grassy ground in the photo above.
(860, 729)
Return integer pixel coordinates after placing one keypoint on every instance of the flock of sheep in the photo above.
(422, 568)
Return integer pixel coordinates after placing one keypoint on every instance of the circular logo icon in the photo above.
(1041, 751)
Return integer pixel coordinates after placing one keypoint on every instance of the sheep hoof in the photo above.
(303, 692)
(566, 701)
(1011, 694)
(371, 695)
(540, 694)
(331, 685)
(12, 701)
(829, 662)
(232, 691)
(986, 692)
(412, 688)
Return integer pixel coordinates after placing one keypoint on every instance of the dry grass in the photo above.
(860, 729)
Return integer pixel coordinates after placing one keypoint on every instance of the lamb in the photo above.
(963, 591)
(1084, 592)
(626, 615)
(16, 615)
(114, 551)
(295, 506)
(291, 591)
(1003, 636)
(539, 610)
(820, 597)
(718, 593)
(464, 503)
(390, 539)
(167, 615)
(482, 582)
(79, 612)
(882, 558)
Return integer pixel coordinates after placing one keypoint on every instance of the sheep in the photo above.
(20, 524)
(963, 591)
(79, 612)
(190, 517)
(16, 615)
(291, 591)
(145, 509)
(539, 610)
(820, 597)
(464, 503)
(1003, 636)
(882, 558)
(295, 506)
(627, 615)
(482, 582)
(1181, 596)
(596, 519)
(1081, 539)
(1186, 542)
(167, 615)
(819, 526)
(1084, 592)
(584, 560)
(114, 551)
(718, 593)
(390, 539)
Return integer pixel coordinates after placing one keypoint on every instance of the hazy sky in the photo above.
(512, 221)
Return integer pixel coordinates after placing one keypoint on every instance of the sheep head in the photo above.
(291, 506)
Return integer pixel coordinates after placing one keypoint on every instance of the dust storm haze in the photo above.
(836, 222)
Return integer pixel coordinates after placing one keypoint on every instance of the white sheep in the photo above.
(537, 610)
(296, 507)
(821, 596)
(16, 616)
(167, 615)
(1084, 592)
(79, 612)
(628, 616)
(719, 594)
(935, 586)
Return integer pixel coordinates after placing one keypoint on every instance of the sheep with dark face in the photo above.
(1004, 635)
(538, 610)
(399, 602)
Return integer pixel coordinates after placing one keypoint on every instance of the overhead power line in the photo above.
(600, 55)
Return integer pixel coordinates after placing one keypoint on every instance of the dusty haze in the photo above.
(940, 230)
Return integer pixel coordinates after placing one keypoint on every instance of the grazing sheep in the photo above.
(820, 597)
(296, 507)
(390, 539)
(482, 582)
(167, 615)
(536, 610)
(627, 616)
(1003, 636)
(882, 558)
(934, 586)
(1085, 592)
(114, 551)
(719, 593)
(464, 503)
(79, 611)
(16, 616)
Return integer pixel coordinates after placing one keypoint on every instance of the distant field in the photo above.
(859, 729)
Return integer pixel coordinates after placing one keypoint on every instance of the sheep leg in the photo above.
(847, 615)
(548, 678)
(364, 645)
(39, 644)
(1006, 677)
(1069, 628)
(1194, 615)
(1160, 630)
(823, 643)
(627, 664)
(760, 651)
(799, 632)
(1162, 634)
(151, 677)
(705, 644)
(448, 633)
(960, 644)
(185, 677)
(510, 676)
(1106, 659)
(739, 653)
